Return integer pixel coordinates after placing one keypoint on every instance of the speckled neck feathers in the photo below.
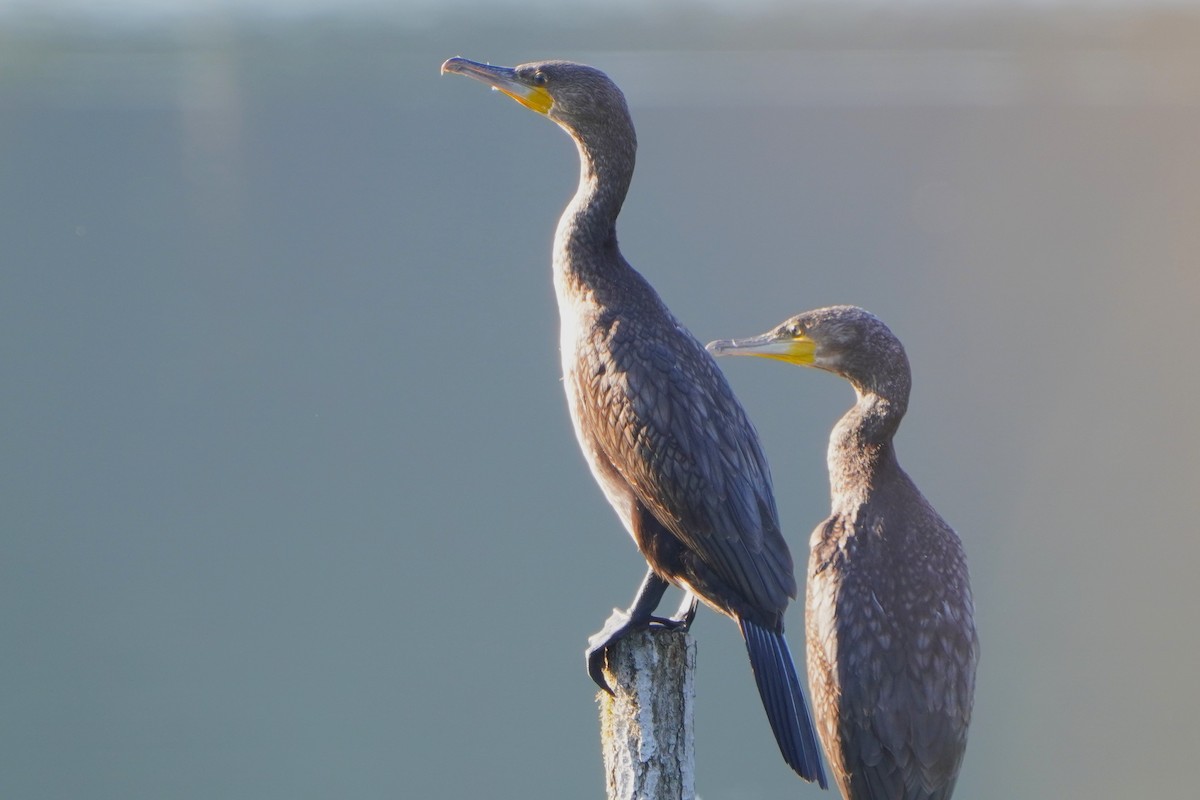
(861, 451)
(586, 240)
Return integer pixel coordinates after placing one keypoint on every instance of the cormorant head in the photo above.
(845, 340)
(581, 99)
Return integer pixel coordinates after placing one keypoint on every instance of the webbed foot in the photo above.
(639, 615)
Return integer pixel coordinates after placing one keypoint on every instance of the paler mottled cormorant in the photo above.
(658, 424)
(892, 647)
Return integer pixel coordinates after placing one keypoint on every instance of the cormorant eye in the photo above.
(539, 79)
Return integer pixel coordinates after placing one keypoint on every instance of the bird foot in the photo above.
(620, 623)
(682, 622)
(684, 616)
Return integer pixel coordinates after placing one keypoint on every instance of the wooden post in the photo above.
(646, 728)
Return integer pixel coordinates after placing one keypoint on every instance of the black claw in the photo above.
(690, 617)
(617, 625)
(597, 659)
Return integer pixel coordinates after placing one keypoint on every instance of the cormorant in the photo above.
(891, 637)
(660, 428)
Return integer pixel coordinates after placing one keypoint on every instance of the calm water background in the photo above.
(291, 503)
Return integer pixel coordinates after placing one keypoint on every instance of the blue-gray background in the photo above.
(291, 503)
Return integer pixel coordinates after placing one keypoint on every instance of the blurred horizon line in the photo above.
(421, 13)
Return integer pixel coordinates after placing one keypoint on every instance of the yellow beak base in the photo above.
(502, 79)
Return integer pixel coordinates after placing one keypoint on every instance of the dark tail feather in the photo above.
(783, 698)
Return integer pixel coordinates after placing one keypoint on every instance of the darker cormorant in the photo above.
(664, 436)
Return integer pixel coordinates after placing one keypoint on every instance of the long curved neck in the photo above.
(861, 449)
(586, 240)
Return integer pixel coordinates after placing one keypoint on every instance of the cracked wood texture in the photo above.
(646, 728)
